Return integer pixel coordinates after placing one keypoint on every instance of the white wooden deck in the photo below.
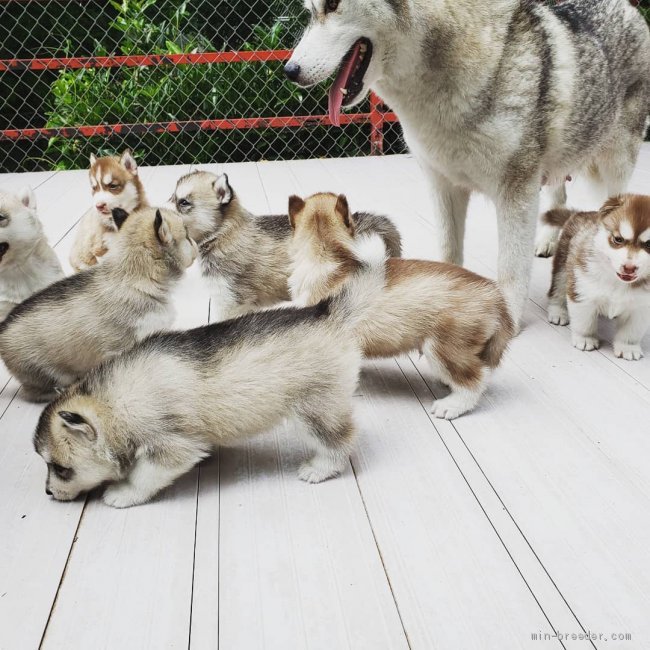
(529, 516)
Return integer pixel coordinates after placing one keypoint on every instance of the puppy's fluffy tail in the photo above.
(557, 217)
(366, 283)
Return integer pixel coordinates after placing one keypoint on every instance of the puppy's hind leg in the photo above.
(330, 435)
(547, 234)
(466, 377)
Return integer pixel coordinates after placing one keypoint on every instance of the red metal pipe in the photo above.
(140, 60)
(226, 124)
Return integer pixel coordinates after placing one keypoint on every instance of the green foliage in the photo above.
(192, 92)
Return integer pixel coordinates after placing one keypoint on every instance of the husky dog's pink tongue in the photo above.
(338, 87)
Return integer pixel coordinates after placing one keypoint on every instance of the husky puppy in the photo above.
(492, 97)
(459, 320)
(602, 268)
(27, 262)
(53, 338)
(244, 257)
(115, 184)
(144, 418)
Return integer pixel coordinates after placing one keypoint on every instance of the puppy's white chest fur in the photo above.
(612, 297)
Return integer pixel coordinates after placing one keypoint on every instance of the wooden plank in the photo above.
(451, 575)
(36, 532)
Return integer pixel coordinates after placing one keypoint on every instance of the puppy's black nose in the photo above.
(292, 70)
(48, 491)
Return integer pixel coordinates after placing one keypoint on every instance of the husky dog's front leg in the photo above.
(516, 214)
(449, 215)
(547, 234)
(631, 328)
(584, 325)
(145, 480)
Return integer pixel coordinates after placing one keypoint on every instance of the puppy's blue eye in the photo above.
(183, 203)
(64, 473)
(3, 217)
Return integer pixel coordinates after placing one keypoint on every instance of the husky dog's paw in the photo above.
(122, 495)
(450, 407)
(319, 469)
(628, 351)
(585, 343)
(546, 241)
(558, 315)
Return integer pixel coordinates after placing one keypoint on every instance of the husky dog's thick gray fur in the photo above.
(144, 418)
(496, 97)
(27, 261)
(245, 257)
(57, 335)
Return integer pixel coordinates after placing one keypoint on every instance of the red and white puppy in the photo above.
(115, 184)
(602, 268)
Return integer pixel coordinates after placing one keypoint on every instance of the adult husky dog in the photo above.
(498, 97)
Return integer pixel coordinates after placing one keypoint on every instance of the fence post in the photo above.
(376, 126)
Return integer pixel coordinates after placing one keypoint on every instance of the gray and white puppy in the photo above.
(245, 257)
(494, 97)
(27, 261)
(53, 338)
(144, 418)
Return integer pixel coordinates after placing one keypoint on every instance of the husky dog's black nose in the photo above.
(48, 491)
(292, 70)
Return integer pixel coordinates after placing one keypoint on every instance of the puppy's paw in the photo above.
(558, 315)
(628, 351)
(122, 495)
(450, 407)
(585, 343)
(319, 469)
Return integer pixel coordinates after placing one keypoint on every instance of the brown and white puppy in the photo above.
(244, 257)
(27, 262)
(53, 338)
(602, 268)
(144, 418)
(115, 184)
(458, 319)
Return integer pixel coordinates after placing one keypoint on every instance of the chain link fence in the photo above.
(177, 81)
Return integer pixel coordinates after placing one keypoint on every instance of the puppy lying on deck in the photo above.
(602, 268)
(244, 257)
(53, 338)
(458, 319)
(27, 262)
(144, 418)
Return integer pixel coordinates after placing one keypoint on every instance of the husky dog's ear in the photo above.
(343, 210)
(129, 163)
(27, 197)
(296, 204)
(119, 217)
(93, 159)
(163, 233)
(78, 424)
(223, 190)
(613, 203)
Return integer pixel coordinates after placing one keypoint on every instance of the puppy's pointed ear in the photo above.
(343, 210)
(613, 203)
(119, 216)
(78, 424)
(129, 163)
(296, 204)
(223, 190)
(93, 159)
(27, 197)
(163, 233)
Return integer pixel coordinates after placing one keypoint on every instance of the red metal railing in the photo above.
(377, 117)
